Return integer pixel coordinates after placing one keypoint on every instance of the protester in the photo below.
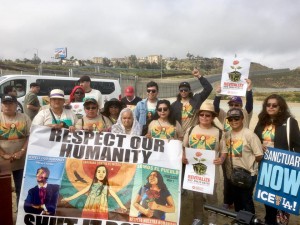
(186, 106)
(235, 102)
(145, 109)
(163, 125)
(245, 151)
(272, 131)
(14, 132)
(130, 100)
(127, 123)
(92, 121)
(42, 199)
(31, 101)
(112, 109)
(85, 83)
(77, 94)
(96, 204)
(10, 90)
(154, 199)
(56, 116)
(205, 135)
(20, 90)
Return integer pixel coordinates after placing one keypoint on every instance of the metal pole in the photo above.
(160, 66)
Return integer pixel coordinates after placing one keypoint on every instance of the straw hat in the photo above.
(206, 106)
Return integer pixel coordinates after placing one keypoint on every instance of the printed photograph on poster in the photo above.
(41, 184)
(155, 197)
(234, 74)
(96, 190)
(200, 171)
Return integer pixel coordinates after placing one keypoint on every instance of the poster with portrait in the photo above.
(234, 74)
(92, 177)
(200, 171)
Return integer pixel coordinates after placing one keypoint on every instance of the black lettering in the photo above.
(135, 156)
(146, 156)
(78, 151)
(92, 152)
(107, 141)
(159, 145)
(127, 155)
(121, 139)
(88, 135)
(92, 222)
(60, 221)
(106, 154)
(135, 142)
(118, 154)
(65, 150)
(70, 221)
(147, 143)
(42, 220)
(98, 138)
(111, 223)
(28, 219)
(55, 135)
(77, 139)
(66, 136)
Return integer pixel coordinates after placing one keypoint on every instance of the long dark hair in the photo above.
(191, 94)
(171, 118)
(283, 113)
(105, 180)
(160, 181)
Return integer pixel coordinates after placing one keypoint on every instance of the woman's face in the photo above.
(101, 173)
(206, 118)
(114, 110)
(127, 119)
(272, 107)
(153, 178)
(91, 110)
(163, 111)
(57, 103)
(78, 95)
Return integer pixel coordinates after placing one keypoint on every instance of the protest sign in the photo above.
(200, 172)
(99, 178)
(234, 73)
(78, 109)
(279, 180)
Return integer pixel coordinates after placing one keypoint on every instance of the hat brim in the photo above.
(213, 112)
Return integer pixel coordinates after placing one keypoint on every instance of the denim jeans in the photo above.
(18, 177)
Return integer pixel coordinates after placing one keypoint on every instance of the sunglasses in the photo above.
(272, 105)
(91, 108)
(184, 90)
(234, 105)
(235, 118)
(163, 109)
(205, 115)
(151, 91)
(79, 93)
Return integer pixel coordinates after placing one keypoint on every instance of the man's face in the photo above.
(85, 84)
(41, 176)
(9, 108)
(236, 122)
(235, 105)
(184, 92)
(36, 89)
(152, 93)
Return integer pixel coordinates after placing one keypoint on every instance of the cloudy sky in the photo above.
(266, 32)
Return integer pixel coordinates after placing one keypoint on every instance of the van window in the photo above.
(46, 85)
(13, 83)
(105, 87)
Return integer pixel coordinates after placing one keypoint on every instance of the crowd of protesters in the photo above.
(190, 118)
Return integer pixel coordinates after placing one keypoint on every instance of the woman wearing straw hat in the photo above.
(205, 135)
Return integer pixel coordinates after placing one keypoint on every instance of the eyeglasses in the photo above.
(79, 93)
(184, 90)
(91, 108)
(235, 118)
(151, 91)
(272, 105)
(205, 115)
(163, 109)
(234, 105)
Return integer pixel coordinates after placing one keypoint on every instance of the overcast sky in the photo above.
(266, 32)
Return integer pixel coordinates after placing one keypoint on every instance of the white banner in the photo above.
(200, 172)
(99, 178)
(234, 75)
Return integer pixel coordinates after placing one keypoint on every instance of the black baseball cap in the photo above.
(8, 98)
(185, 84)
(235, 112)
(90, 100)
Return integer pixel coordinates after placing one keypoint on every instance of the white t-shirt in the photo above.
(96, 95)
(44, 118)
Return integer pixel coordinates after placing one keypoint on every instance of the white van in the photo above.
(109, 88)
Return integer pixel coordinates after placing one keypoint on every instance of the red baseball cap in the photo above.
(129, 91)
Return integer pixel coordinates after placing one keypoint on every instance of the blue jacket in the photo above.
(140, 111)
